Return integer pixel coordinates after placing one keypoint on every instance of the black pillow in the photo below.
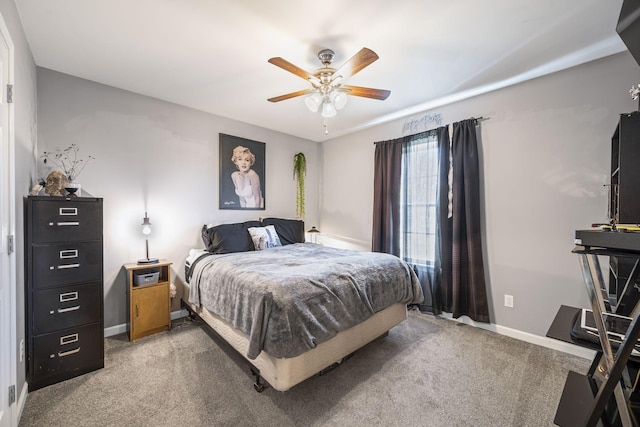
(228, 238)
(289, 230)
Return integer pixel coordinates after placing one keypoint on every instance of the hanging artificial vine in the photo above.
(299, 172)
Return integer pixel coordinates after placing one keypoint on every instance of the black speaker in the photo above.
(629, 27)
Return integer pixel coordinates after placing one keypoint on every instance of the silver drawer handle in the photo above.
(65, 266)
(66, 310)
(69, 253)
(68, 211)
(68, 353)
(69, 296)
(61, 224)
(68, 339)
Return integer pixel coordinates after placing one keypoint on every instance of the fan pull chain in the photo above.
(326, 126)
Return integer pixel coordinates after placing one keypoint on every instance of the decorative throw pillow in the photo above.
(289, 230)
(228, 238)
(264, 237)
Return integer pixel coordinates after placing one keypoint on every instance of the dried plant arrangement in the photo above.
(67, 161)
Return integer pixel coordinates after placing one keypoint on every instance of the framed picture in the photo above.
(242, 173)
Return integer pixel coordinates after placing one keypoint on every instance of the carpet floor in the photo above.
(428, 371)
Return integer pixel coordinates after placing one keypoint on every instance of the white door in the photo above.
(7, 256)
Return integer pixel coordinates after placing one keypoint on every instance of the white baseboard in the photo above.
(115, 330)
(551, 343)
(22, 400)
(343, 242)
(179, 314)
(122, 328)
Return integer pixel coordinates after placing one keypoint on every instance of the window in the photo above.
(419, 189)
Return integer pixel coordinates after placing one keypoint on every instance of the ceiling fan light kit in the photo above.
(328, 93)
(313, 101)
(339, 99)
(328, 109)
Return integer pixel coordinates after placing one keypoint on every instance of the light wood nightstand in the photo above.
(149, 301)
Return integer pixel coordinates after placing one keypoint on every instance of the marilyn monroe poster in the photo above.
(241, 173)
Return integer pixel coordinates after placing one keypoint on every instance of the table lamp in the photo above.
(314, 232)
(146, 230)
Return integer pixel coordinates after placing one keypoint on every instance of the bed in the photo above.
(293, 309)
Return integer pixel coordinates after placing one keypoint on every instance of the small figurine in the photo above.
(56, 182)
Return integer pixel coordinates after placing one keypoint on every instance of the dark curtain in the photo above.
(455, 283)
(442, 272)
(386, 197)
(463, 288)
(387, 220)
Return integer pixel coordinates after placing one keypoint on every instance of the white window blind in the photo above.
(418, 197)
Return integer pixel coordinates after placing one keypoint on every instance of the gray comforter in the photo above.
(289, 299)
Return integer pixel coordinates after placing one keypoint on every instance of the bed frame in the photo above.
(282, 374)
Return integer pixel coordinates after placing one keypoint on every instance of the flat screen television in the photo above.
(629, 27)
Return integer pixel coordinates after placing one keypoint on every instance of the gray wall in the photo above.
(154, 156)
(545, 152)
(24, 109)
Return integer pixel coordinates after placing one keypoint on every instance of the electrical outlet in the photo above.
(508, 300)
(21, 350)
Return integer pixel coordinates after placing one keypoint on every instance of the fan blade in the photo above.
(357, 62)
(288, 66)
(367, 92)
(290, 95)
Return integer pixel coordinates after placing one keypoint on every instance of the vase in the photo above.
(73, 189)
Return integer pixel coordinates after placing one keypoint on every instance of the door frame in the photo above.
(8, 227)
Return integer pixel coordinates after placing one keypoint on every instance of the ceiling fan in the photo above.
(327, 88)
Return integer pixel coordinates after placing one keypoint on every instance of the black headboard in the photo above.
(629, 27)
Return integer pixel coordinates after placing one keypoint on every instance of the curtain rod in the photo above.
(477, 119)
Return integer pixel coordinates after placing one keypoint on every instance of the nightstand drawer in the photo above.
(66, 220)
(75, 262)
(68, 350)
(65, 307)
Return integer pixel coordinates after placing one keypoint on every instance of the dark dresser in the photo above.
(64, 288)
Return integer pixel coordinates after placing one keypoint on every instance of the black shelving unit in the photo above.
(624, 205)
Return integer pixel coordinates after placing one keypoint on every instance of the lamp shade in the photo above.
(313, 101)
(339, 99)
(313, 230)
(328, 110)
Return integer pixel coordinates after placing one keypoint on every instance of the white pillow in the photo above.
(264, 237)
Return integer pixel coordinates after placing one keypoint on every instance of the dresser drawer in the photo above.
(74, 262)
(68, 350)
(66, 220)
(61, 308)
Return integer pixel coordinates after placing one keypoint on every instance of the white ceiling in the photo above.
(212, 55)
